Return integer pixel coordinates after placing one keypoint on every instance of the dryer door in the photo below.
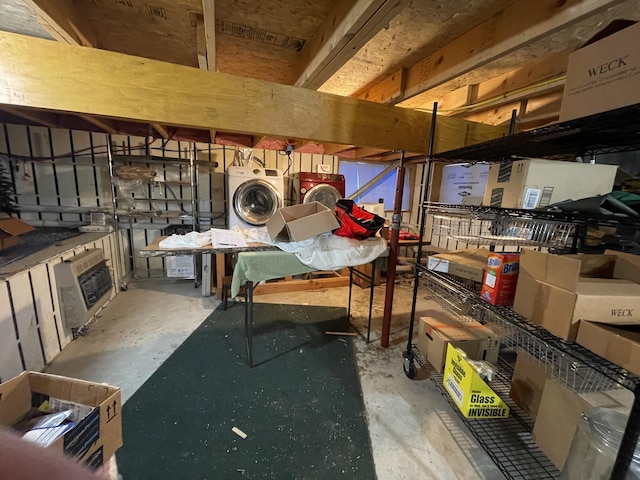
(323, 193)
(255, 202)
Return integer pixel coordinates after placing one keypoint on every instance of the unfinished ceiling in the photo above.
(479, 59)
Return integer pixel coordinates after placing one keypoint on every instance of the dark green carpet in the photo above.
(301, 405)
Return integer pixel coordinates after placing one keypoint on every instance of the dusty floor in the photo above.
(414, 433)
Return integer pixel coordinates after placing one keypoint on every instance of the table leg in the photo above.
(350, 287)
(372, 286)
(248, 322)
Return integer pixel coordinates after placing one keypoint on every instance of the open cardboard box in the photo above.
(558, 291)
(299, 222)
(438, 330)
(618, 344)
(94, 438)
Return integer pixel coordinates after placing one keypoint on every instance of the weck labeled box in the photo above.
(501, 278)
(94, 438)
(299, 222)
(602, 76)
(471, 394)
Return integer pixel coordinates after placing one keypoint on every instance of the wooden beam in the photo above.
(161, 129)
(209, 14)
(61, 21)
(201, 42)
(546, 75)
(347, 28)
(500, 115)
(39, 118)
(150, 91)
(387, 91)
(542, 109)
(519, 24)
(333, 148)
(99, 122)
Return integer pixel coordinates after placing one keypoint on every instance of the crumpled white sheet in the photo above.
(326, 251)
(189, 240)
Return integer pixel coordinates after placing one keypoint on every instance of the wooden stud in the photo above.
(39, 118)
(201, 42)
(209, 14)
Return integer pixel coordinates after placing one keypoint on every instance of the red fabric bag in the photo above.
(356, 222)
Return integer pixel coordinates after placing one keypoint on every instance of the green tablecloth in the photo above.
(260, 266)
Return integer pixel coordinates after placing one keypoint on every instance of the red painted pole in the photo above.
(394, 233)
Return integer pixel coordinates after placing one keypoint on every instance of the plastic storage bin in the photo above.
(595, 447)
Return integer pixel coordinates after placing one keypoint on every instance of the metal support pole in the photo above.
(423, 219)
(371, 291)
(248, 321)
(116, 228)
(394, 232)
(512, 122)
(629, 439)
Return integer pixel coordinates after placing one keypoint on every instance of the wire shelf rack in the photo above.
(569, 363)
(481, 226)
(507, 441)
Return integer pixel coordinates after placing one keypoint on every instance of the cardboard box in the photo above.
(468, 264)
(500, 278)
(558, 291)
(463, 183)
(558, 418)
(437, 331)
(527, 382)
(620, 345)
(471, 394)
(10, 229)
(534, 183)
(299, 222)
(603, 76)
(94, 438)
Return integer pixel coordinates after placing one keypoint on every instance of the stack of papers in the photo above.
(221, 238)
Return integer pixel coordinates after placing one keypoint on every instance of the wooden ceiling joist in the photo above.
(519, 24)
(61, 21)
(99, 122)
(208, 12)
(150, 91)
(347, 28)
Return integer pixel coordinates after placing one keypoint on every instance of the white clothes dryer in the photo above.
(253, 195)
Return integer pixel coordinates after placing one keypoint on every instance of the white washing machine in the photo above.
(253, 195)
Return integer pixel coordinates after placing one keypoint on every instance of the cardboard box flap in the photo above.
(14, 226)
(452, 329)
(627, 265)
(15, 399)
(81, 391)
(565, 271)
(620, 345)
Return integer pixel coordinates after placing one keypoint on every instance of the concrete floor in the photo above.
(414, 432)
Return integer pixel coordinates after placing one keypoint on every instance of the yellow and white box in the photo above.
(472, 395)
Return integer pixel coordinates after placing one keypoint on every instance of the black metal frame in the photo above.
(248, 307)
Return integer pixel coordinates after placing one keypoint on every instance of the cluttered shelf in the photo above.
(570, 363)
(510, 440)
(608, 132)
(521, 459)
